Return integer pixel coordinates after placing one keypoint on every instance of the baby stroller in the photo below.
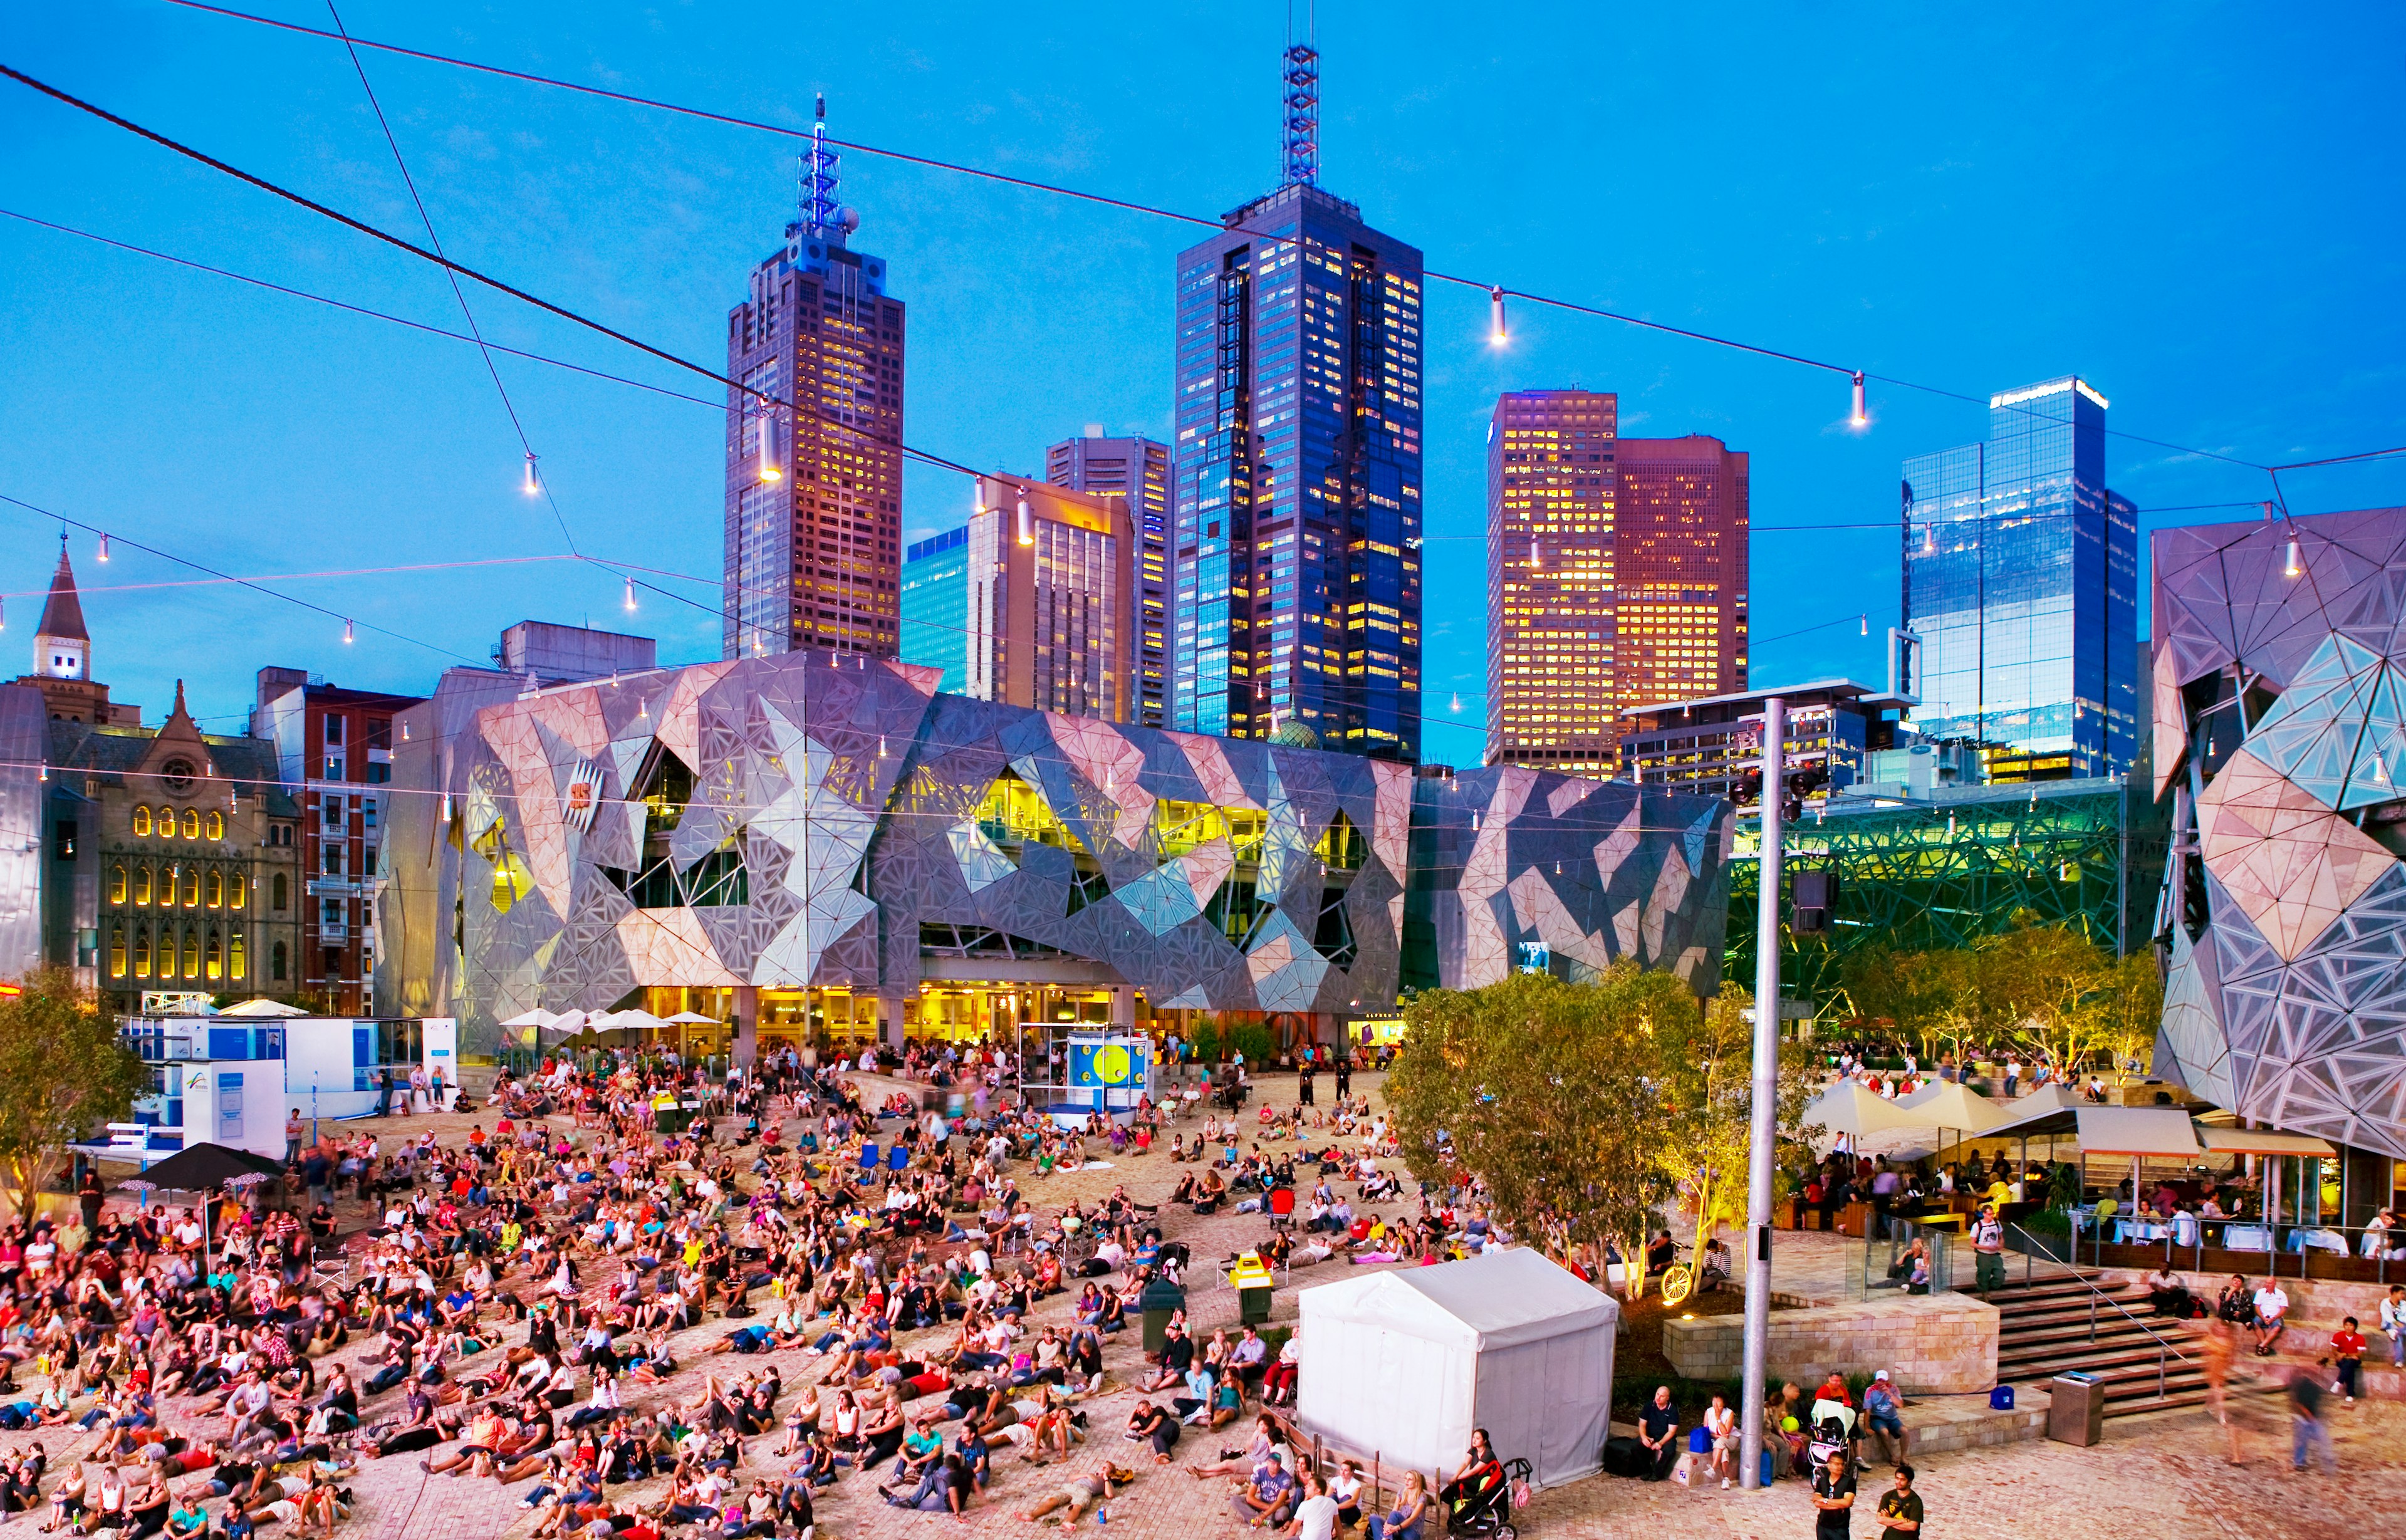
(1833, 1432)
(1488, 1512)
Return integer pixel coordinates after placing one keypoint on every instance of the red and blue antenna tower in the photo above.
(822, 216)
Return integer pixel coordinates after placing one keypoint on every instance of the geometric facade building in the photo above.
(822, 846)
(2279, 735)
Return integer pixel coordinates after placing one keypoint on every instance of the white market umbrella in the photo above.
(538, 1017)
(1853, 1108)
(1951, 1107)
(693, 1018)
(636, 1019)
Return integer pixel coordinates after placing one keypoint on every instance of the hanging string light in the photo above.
(1498, 333)
(1457, 702)
(1027, 521)
(631, 595)
(530, 487)
(769, 471)
(104, 545)
(2296, 565)
(350, 634)
(1859, 418)
(1535, 561)
(1866, 622)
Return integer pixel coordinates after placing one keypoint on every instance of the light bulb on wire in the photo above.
(1866, 625)
(104, 545)
(769, 471)
(1027, 521)
(2296, 567)
(1498, 333)
(631, 595)
(530, 487)
(1860, 418)
(350, 634)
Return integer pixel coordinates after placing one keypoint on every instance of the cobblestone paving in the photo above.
(2162, 1477)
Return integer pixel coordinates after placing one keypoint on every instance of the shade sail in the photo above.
(1851, 1107)
(1945, 1104)
(2165, 1131)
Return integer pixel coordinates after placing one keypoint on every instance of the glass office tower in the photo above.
(1295, 566)
(2021, 576)
(936, 606)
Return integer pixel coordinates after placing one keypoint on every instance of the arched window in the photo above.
(214, 967)
(279, 899)
(217, 888)
(237, 964)
(237, 890)
(117, 884)
(191, 822)
(142, 885)
(166, 823)
(191, 955)
(117, 952)
(141, 954)
(216, 826)
(191, 887)
(141, 820)
(276, 964)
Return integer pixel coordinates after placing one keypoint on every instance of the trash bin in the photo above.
(1158, 1299)
(2075, 1410)
(1252, 1282)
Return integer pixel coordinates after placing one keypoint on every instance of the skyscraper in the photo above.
(1616, 576)
(1680, 569)
(1550, 702)
(1032, 602)
(1295, 513)
(1138, 469)
(814, 446)
(2020, 576)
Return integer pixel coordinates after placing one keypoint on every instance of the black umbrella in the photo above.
(203, 1168)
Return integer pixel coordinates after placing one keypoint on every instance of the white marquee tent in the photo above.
(1404, 1364)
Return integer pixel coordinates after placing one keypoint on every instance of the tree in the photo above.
(2135, 1009)
(2050, 987)
(1933, 995)
(64, 1072)
(1707, 1079)
(1550, 1094)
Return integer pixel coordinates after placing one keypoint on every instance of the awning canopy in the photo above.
(2164, 1131)
(2260, 1142)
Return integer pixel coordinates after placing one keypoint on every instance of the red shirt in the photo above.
(2347, 1343)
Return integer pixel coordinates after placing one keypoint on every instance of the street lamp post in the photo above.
(1766, 1093)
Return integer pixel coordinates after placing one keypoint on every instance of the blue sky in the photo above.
(2195, 208)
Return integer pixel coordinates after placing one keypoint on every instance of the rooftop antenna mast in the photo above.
(1302, 101)
(821, 214)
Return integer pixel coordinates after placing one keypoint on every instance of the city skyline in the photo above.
(640, 222)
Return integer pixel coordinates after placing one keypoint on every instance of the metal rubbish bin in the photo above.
(2075, 1409)
(1158, 1299)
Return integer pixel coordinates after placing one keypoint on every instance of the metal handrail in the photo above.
(2277, 1232)
(2162, 1347)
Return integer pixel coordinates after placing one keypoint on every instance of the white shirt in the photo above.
(2272, 1303)
(2393, 1315)
(1316, 1520)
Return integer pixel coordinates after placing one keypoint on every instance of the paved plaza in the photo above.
(2160, 1477)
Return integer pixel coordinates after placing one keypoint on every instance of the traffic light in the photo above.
(1813, 899)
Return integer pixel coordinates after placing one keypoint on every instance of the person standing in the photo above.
(1900, 1508)
(384, 1100)
(1987, 1251)
(1344, 1075)
(2393, 1322)
(1834, 1498)
(2307, 1429)
(294, 1129)
(87, 1197)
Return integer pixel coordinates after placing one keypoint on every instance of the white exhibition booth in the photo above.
(1405, 1364)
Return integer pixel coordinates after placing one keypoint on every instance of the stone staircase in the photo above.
(2058, 1322)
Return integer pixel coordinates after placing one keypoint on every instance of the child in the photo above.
(2348, 1346)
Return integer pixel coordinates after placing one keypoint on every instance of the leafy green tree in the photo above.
(1707, 1075)
(2048, 987)
(1934, 997)
(64, 1071)
(1548, 1092)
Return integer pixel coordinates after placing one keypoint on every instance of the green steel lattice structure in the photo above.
(1925, 875)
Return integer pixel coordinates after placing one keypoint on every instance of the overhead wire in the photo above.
(466, 314)
(1133, 206)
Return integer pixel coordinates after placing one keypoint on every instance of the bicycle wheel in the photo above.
(1679, 1282)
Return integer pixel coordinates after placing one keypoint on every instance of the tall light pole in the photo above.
(1766, 1094)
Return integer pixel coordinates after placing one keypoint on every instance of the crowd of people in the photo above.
(530, 1305)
